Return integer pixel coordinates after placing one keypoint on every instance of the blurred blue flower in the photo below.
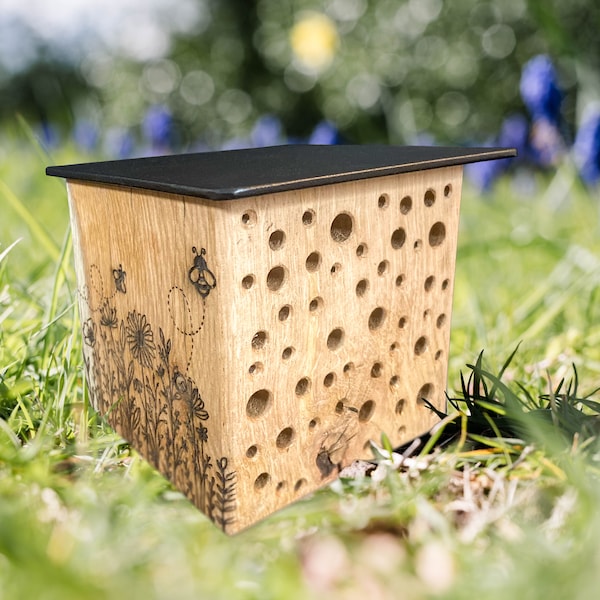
(586, 148)
(546, 142)
(325, 133)
(483, 174)
(118, 143)
(48, 135)
(267, 132)
(158, 127)
(85, 134)
(539, 89)
(514, 133)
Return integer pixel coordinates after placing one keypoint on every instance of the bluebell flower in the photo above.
(267, 132)
(158, 126)
(483, 174)
(539, 89)
(325, 133)
(586, 148)
(85, 134)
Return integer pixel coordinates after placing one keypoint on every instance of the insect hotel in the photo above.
(253, 318)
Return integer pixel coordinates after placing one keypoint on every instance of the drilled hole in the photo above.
(315, 304)
(285, 438)
(303, 386)
(394, 347)
(382, 267)
(252, 451)
(366, 411)
(383, 201)
(445, 284)
(259, 340)
(438, 355)
(361, 250)
(426, 314)
(329, 380)
(376, 318)
(314, 423)
(421, 345)
(394, 381)
(285, 312)
(399, 280)
(376, 369)
(299, 485)
(281, 485)
(255, 368)
(249, 218)
(335, 338)
(437, 234)
(261, 481)
(276, 278)
(405, 205)
(361, 287)
(339, 407)
(429, 198)
(308, 217)
(258, 403)
(398, 238)
(402, 430)
(418, 245)
(400, 406)
(287, 353)
(348, 367)
(335, 268)
(440, 321)
(402, 322)
(448, 191)
(313, 262)
(425, 393)
(429, 282)
(277, 240)
(248, 282)
(341, 227)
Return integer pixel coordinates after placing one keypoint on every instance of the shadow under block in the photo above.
(249, 346)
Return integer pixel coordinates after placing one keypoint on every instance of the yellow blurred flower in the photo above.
(314, 40)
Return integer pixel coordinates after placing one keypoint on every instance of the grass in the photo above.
(500, 510)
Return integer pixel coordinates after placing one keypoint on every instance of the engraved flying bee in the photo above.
(119, 277)
(200, 275)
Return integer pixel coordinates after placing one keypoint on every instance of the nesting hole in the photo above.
(429, 283)
(361, 250)
(437, 234)
(255, 368)
(402, 430)
(276, 278)
(314, 423)
(258, 403)
(335, 339)
(249, 218)
(448, 190)
(261, 481)
(399, 409)
(382, 267)
(299, 485)
(259, 340)
(281, 485)
(425, 393)
(394, 381)
(287, 353)
(303, 386)
(308, 217)
(341, 227)
(418, 245)
(348, 368)
(429, 198)
(248, 282)
(315, 304)
(399, 280)
(277, 240)
(440, 321)
(335, 268)
(394, 346)
(329, 380)
(285, 312)
(376, 370)
(421, 345)
(383, 201)
(402, 322)
(361, 287)
(438, 355)
(285, 438)
(376, 318)
(252, 451)
(445, 284)
(339, 407)
(313, 262)
(405, 205)
(398, 238)
(426, 314)
(366, 411)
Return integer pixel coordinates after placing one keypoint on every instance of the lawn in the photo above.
(497, 513)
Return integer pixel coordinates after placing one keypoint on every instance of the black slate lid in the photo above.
(233, 174)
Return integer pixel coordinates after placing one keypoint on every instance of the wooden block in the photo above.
(250, 345)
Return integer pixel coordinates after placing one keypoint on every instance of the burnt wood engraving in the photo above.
(149, 399)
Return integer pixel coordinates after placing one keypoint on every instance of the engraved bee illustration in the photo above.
(200, 275)
(119, 277)
(329, 457)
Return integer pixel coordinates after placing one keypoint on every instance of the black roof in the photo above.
(230, 174)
